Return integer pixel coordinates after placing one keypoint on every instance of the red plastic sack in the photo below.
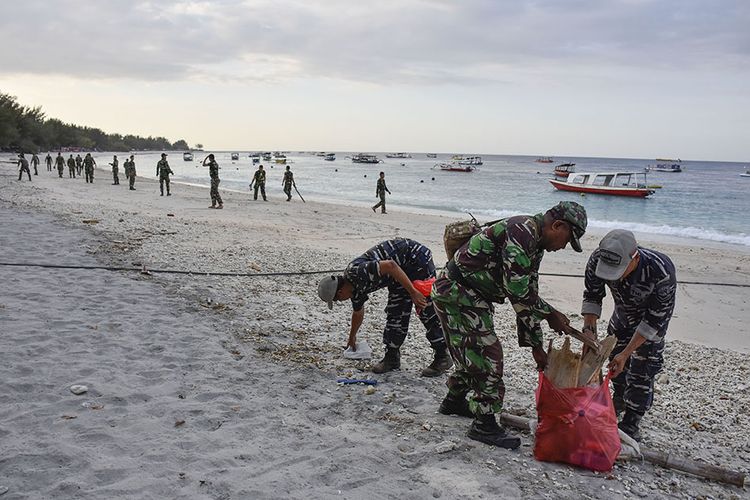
(424, 286)
(577, 426)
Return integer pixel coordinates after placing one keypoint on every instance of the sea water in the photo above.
(707, 200)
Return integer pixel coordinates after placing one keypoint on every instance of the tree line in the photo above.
(27, 129)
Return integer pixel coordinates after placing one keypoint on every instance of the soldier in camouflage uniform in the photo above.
(71, 167)
(35, 163)
(88, 167)
(60, 164)
(643, 284)
(288, 182)
(79, 165)
(259, 179)
(392, 264)
(380, 190)
(115, 171)
(213, 171)
(24, 164)
(48, 161)
(498, 263)
(130, 172)
(163, 171)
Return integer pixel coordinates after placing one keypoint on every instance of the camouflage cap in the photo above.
(575, 215)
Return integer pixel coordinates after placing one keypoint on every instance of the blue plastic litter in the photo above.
(366, 381)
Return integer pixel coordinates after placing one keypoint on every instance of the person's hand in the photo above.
(558, 322)
(351, 343)
(589, 330)
(420, 301)
(617, 365)
(540, 357)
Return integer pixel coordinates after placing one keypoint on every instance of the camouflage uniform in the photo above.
(415, 260)
(35, 163)
(60, 164)
(380, 190)
(71, 167)
(644, 302)
(88, 167)
(48, 161)
(163, 171)
(130, 172)
(24, 164)
(288, 183)
(79, 165)
(213, 171)
(259, 180)
(115, 172)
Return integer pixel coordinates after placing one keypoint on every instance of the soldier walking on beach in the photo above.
(48, 161)
(213, 172)
(500, 262)
(23, 163)
(88, 167)
(79, 164)
(393, 264)
(60, 164)
(259, 180)
(130, 172)
(115, 171)
(643, 283)
(288, 182)
(35, 163)
(71, 167)
(163, 171)
(380, 190)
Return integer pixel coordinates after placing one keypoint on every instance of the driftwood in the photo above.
(666, 460)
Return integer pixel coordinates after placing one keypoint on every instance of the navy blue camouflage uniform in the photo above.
(644, 302)
(415, 260)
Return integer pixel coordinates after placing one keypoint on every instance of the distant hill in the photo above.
(27, 129)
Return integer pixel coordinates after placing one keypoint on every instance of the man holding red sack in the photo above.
(643, 284)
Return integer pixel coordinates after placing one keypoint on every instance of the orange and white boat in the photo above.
(565, 169)
(632, 184)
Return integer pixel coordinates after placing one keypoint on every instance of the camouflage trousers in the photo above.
(469, 331)
(635, 385)
(262, 187)
(288, 191)
(380, 204)
(89, 171)
(60, 171)
(162, 180)
(116, 176)
(72, 172)
(215, 196)
(22, 170)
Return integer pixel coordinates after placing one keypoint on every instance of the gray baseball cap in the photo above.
(327, 289)
(616, 250)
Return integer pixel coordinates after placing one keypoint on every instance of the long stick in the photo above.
(666, 460)
(300, 196)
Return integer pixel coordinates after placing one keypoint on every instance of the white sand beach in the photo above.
(225, 387)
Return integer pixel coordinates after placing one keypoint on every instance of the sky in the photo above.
(610, 78)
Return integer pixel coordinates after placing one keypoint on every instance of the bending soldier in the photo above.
(23, 163)
(163, 171)
(259, 180)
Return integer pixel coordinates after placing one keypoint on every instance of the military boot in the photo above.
(630, 423)
(619, 404)
(455, 405)
(391, 361)
(441, 363)
(484, 428)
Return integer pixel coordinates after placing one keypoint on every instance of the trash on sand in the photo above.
(364, 351)
(349, 381)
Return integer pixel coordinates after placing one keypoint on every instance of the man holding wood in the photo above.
(643, 285)
(497, 263)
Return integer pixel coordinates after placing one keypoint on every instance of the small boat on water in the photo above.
(565, 169)
(544, 159)
(632, 184)
(364, 158)
(235, 156)
(187, 156)
(431, 155)
(280, 160)
(398, 155)
(329, 157)
(665, 167)
(746, 174)
(471, 161)
(266, 156)
(455, 167)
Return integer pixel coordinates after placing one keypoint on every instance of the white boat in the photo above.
(431, 155)
(187, 156)
(473, 161)
(266, 156)
(235, 156)
(665, 167)
(329, 157)
(455, 166)
(365, 158)
(565, 169)
(632, 184)
(398, 155)
(746, 174)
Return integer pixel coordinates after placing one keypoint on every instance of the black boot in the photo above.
(391, 361)
(619, 404)
(484, 428)
(441, 363)
(630, 423)
(455, 405)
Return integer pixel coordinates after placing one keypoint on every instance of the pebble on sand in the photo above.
(445, 447)
(79, 389)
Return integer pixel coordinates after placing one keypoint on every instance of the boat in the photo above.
(255, 157)
(669, 160)
(321, 153)
(187, 156)
(364, 158)
(455, 167)
(431, 155)
(473, 161)
(670, 166)
(632, 184)
(565, 169)
(266, 156)
(280, 160)
(398, 155)
(544, 159)
(746, 174)
(235, 156)
(330, 157)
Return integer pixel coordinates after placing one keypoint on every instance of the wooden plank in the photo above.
(592, 361)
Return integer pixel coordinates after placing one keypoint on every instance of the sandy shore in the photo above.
(249, 364)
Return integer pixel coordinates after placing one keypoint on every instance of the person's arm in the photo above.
(357, 317)
(594, 292)
(390, 268)
(158, 167)
(386, 188)
(204, 161)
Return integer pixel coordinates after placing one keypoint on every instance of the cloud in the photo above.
(388, 41)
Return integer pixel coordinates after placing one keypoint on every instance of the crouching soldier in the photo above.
(393, 264)
(643, 286)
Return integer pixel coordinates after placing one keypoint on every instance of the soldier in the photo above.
(498, 263)
(79, 164)
(393, 264)
(60, 164)
(48, 161)
(35, 163)
(213, 171)
(643, 284)
(115, 171)
(380, 190)
(163, 171)
(130, 172)
(71, 167)
(259, 179)
(88, 167)
(24, 164)
(288, 182)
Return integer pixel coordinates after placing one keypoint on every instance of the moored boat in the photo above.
(746, 174)
(330, 157)
(266, 156)
(665, 167)
(187, 156)
(398, 155)
(280, 160)
(365, 158)
(431, 155)
(455, 167)
(473, 161)
(565, 169)
(235, 156)
(544, 159)
(632, 184)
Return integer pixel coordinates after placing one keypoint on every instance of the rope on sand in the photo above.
(289, 273)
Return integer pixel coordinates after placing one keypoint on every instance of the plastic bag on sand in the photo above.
(364, 351)
(577, 425)
(630, 448)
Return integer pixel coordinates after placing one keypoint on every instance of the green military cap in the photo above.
(575, 215)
